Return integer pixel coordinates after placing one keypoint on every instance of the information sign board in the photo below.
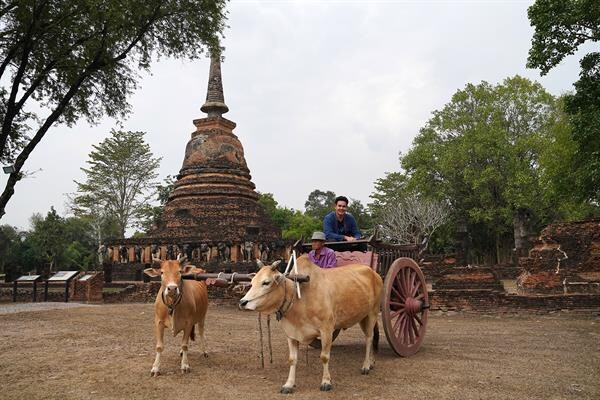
(28, 278)
(62, 276)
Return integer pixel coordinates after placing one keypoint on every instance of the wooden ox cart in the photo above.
(405, 302)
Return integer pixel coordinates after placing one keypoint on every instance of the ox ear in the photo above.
(186, 269)
(275, 265)
(279, 278)
(152, 272)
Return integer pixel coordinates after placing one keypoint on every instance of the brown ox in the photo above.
(335, 298)
(180, 304)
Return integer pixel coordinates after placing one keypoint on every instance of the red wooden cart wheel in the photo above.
(405, 306)
(316, 343)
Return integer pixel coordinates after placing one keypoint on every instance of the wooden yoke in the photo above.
(223, 280)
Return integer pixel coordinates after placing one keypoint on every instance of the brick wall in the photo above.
(88, 290)
(482, 300)
(56, 292)
(564, 259)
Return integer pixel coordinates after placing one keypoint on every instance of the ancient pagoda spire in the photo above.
(215, 101)
(214, 200)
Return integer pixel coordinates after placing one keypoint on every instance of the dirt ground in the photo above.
(106, 352)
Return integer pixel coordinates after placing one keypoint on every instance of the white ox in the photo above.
(335, 298)
(180, 305)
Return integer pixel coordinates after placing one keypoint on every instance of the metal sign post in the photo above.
(27, 279)
(61, 276)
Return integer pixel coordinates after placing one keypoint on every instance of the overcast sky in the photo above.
(324, 93)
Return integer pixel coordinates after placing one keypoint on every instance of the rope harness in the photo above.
(279, 315)
(280, 311)
(175, 302)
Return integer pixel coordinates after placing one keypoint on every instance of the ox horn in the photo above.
(275, 264)
(181, 258)
(259, 263)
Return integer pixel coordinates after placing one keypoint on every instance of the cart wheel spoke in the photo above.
(410, 331)
(419, 320)
(414, 327)
(404, 320)
(405, 273)
(414, 285)
(399, 286)
(398, 323)
(397, 303)
(398, 294)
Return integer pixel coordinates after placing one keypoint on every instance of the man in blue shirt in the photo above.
(340, 226)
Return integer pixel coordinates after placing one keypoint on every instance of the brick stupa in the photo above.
(214, 198)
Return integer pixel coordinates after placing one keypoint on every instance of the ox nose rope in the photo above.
(262, 354)
(278, 315)
(269, 342)
(171, 306)
(269, 338)
(280, 311)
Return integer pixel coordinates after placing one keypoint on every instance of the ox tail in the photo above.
(376, 337)
(193, 332)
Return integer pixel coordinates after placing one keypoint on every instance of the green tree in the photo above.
(9, 238)
(48, 236)
(119, 179)
(561, 27)
(301, 225)
(150, 214)
(294, 224)
(55, 242)
(281, 216)
(319, 203)
(361, 214)
(484, 155)
(389, 191)
(82, 59)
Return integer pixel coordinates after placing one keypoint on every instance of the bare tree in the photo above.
(413, 220)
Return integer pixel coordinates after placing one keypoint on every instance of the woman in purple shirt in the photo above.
(320, 255)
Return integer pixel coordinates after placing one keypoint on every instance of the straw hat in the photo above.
(318, 236)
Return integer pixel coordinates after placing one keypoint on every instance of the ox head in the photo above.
(170, 273)
(267, 289)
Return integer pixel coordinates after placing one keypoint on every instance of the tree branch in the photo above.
(10, 110)
(52, 118)
(8, 8)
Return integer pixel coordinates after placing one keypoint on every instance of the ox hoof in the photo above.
(365, 371)
(154, 373)
(326, 387)
(205, 354)
(286, 390)
(186, 369)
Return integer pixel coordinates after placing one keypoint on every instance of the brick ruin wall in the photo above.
(565, 259)
(562, 272)
(547, 280)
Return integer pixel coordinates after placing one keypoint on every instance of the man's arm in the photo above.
(330, 260)
(329, 228)
(353, 227)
